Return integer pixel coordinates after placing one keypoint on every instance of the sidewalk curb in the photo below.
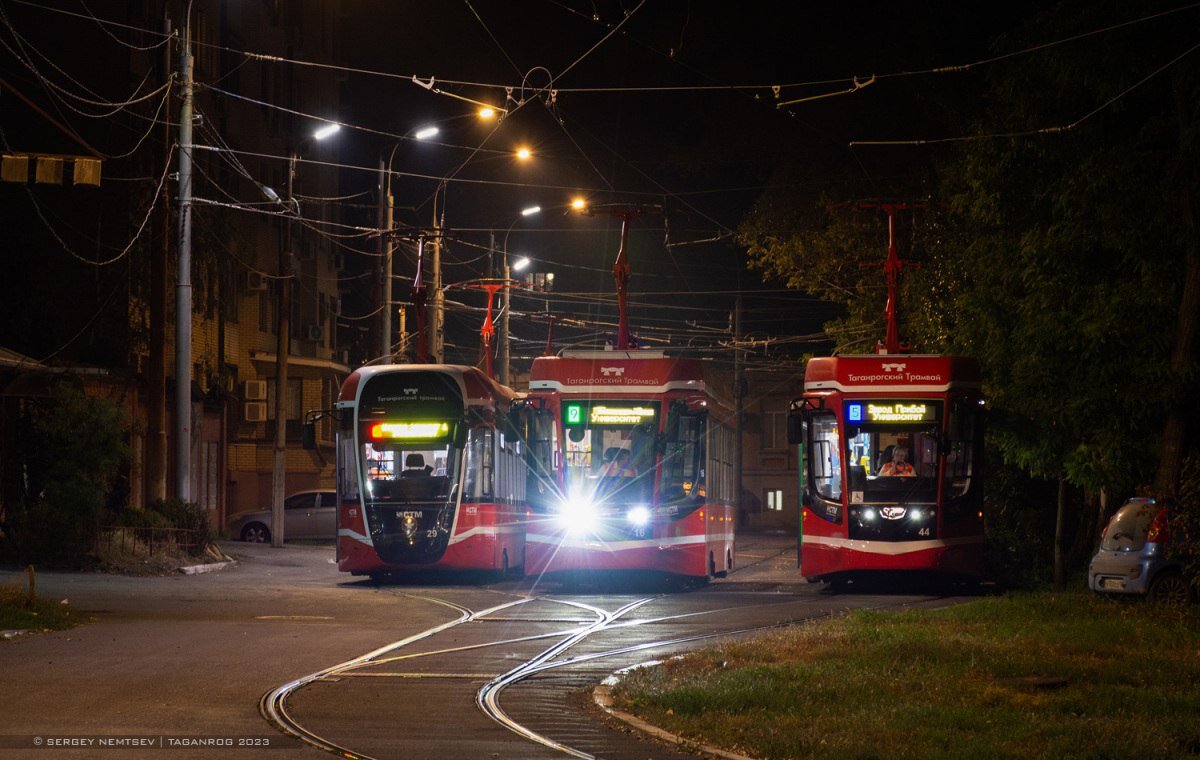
(210, 567)
(602, 696)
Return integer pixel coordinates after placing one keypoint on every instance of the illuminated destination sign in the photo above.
(381, 431)
(577, 414)
(890, 412)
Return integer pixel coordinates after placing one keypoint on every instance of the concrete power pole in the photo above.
(436, 333)
(739, 400)
(385, 252)
(183, 289)
(156, 363)
(283, 347)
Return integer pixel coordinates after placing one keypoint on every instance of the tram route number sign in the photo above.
(890, 412)
(578, 414)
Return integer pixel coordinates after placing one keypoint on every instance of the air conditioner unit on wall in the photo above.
(255, 281)
(254, 390)
(254, 411)
(315, 333)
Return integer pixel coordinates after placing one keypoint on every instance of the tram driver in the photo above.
(899, 466)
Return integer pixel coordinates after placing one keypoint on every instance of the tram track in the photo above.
(447, 665)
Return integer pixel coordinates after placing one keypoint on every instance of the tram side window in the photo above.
(480, 465)
(347, 461)
(824, 458)
(960, 454)
(542, 443)
(683, 461)
(510, 482)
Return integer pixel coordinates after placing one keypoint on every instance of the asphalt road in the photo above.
(428, 668)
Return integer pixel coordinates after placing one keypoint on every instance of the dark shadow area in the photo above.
(908, 584)
(616, 582)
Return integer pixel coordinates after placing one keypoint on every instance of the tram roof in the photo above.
(891, 373)
(478, 387)
(624, 372)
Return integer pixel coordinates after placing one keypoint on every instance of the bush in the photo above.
(186, 515)
(74, 451)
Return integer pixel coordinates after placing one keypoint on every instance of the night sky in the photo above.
(631, 118)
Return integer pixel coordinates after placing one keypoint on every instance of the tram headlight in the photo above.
(638, 517)
(868, 514)
(916, 514)
(577, 516)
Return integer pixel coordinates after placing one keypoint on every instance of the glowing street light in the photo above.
(426, 133)
(326, 131)
(520, 264)
(487, 113)
(528, 212)
(579, 204)
(524, 153)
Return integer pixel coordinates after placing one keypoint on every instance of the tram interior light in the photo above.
(638, 517)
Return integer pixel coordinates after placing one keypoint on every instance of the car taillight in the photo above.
(1157, 534)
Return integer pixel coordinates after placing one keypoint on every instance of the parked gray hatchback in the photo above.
(1132, 557)
(306, 514)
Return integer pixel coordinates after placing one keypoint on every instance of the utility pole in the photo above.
(739, 402)
(436, 335)
(283, 346)
(385, 252)
(183, 289)
(156, 363)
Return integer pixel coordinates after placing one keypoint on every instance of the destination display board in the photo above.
(588, 414)
(886, 412)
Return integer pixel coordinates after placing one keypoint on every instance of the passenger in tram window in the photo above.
(415, 467)
(378, 472)
(619, 464)
(899, 466)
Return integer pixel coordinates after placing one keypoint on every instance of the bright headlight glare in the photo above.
(638, 516)
(868, 514)
(577, 516)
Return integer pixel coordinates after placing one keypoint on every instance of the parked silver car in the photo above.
(306, 514)
(1132, 557)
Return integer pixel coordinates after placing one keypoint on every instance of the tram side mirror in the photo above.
(308, 435)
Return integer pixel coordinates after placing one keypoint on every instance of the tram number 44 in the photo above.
(923, 532)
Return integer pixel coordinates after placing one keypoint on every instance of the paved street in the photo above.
(384, 671)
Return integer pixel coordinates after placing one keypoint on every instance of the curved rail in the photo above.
(273, 704)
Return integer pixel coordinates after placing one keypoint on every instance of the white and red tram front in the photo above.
(631, 466)
(430, 474)
(892, 454)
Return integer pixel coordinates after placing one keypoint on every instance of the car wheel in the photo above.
(1169, 587)
(256, 533)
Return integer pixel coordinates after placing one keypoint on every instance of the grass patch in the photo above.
(44, 615)
(1057, 675)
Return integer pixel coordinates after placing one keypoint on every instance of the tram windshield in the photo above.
(609, 449)
(409, 473)
(891, 450)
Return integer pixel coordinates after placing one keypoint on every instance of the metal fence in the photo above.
(151, 541)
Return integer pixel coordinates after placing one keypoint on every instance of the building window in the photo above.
(774, 431)
(774, 500)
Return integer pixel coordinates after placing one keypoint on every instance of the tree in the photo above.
(1067, 262)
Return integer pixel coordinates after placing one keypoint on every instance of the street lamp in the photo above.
(283, 344)
(504, 321)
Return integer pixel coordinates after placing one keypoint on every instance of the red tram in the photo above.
(430, 471)
(631, 465)
(891, 449)
(892, 445)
